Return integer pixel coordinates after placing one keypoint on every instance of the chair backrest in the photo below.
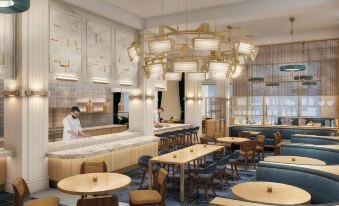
(162, 183)
(210, 128)
(21, 190)
(98, 201)
(260, 139)
(248, 146)
(280, 136)
(277, 138)
(245, 134)
(93, 167)
(143, 160)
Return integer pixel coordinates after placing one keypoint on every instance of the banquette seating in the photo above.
(313, 139)
(323, 186)
(326, 154)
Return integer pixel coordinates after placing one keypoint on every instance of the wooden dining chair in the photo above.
(99, 201)
(260, 148)
(245, 135)
(277, 141)
(247, 150)
(22, 196)
(154, 197)
(93, 167)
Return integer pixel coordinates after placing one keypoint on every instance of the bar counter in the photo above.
(4, 154)
(170, 127)
(118, 150)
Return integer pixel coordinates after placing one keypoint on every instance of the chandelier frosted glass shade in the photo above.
(218, 67)
(155, 71)
(14, 6)
(173, 76)
(160, 46)
(235, 71)
(133, 53)
(216, 75)
(185, 66)
(245, 48)
(206, 44)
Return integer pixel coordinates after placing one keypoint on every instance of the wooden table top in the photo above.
(281, 193)
(187, 154)
(84, 185)
(294, 160)
(234, 140)
(218, 201)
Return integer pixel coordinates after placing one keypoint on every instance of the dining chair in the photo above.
(277, 142)
(260, 148)
(99, 201)
(93, 167)
(22, 196)
(143, 162)
(156, 196)
(247, 150)
(245, 135)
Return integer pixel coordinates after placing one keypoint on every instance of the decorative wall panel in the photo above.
(99, 55)
(125, 70)
(66, 29)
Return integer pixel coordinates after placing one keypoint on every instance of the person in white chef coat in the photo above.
(156, 116)
(72, 127)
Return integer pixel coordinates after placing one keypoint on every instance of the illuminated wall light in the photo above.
(197, 76)
(189, 98)
(68, 77)
(160, 46)
(11, 93)
(126, 83)
(206, 44)
(100, 81)
(150, 97)
(173, 76)
(135, 97)
(36, 93)
(185, 66)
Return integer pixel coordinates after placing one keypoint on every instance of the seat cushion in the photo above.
(144, 196)
(249, 153)
(52, 201)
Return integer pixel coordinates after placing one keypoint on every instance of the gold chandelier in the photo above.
(220, 54)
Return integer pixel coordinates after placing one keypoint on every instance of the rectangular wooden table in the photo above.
(181, 157)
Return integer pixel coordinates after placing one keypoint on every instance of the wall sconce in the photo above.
(11, 93)
(100, 81)
(151, 97)
(134, 97)
(193, 98)
(36, 93)
(126, 83)
(69, 77)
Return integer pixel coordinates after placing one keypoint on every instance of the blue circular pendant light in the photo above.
(293, 68)
(14, 6)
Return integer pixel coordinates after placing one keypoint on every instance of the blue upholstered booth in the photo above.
(328, 155)
(323, 186)
(313, 139)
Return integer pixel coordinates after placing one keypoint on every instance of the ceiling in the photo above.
(153, 8)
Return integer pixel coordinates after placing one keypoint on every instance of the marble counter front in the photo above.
(169, 127)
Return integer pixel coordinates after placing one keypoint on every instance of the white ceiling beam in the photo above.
(243, 12)
(109, 11)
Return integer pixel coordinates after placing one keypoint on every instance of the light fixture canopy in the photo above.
(14, 6)
(100, 80)
(11, 93)
(36, 93)
(68, 77)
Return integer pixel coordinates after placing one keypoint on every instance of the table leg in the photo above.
(182, 182)
(150, 174)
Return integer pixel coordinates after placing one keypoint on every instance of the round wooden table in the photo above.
(294, 160)
(84, 185)
(232, 140)
(281, 194)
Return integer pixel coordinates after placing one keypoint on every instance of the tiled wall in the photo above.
(64, 96)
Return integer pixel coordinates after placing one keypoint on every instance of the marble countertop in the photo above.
(171, 127)
(85, 147)
(60, 129)
(6, 153)
(83, 152)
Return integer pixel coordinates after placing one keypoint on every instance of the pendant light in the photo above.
(14, 6)
(292, 67)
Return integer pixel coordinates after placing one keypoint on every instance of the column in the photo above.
(26, 118)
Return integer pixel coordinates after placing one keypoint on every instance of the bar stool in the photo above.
(163, 141)
(143, 162)
(189, 136)
(181, 141)
(195, 131)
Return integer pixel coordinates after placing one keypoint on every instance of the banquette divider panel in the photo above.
(115, 160)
